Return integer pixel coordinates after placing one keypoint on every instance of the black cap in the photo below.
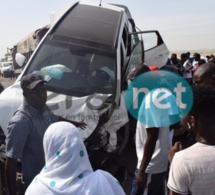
(30, 81)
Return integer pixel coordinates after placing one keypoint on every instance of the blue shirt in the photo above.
(25, 138)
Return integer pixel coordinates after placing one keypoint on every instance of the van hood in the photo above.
(87, 108)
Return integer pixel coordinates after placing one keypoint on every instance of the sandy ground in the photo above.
(6, 82)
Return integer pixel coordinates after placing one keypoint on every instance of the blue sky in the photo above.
(184, 25)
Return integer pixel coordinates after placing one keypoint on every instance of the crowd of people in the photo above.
(186, 65)
(55, 161)
(192, 170)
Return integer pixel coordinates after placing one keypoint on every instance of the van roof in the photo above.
(90, 24)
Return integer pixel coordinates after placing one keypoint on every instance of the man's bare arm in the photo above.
(152, 136)
(80, 124)
(174, 193)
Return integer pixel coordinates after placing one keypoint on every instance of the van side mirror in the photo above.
(20, 59)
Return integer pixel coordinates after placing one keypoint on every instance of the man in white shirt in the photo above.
(193, 169)
(196, 57)
(152, 148)
(187, 66)
(152, 132)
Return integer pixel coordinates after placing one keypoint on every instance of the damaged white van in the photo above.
(86, 57)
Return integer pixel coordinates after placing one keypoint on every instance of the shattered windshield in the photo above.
(75, 70)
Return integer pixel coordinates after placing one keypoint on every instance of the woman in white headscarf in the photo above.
(67, 169)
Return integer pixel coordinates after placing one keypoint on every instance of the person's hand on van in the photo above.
(80, 124)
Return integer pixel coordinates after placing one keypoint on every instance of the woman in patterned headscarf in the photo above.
(67, 169)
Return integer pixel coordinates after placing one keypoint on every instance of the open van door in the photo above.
(136, 57)
(155, 50)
